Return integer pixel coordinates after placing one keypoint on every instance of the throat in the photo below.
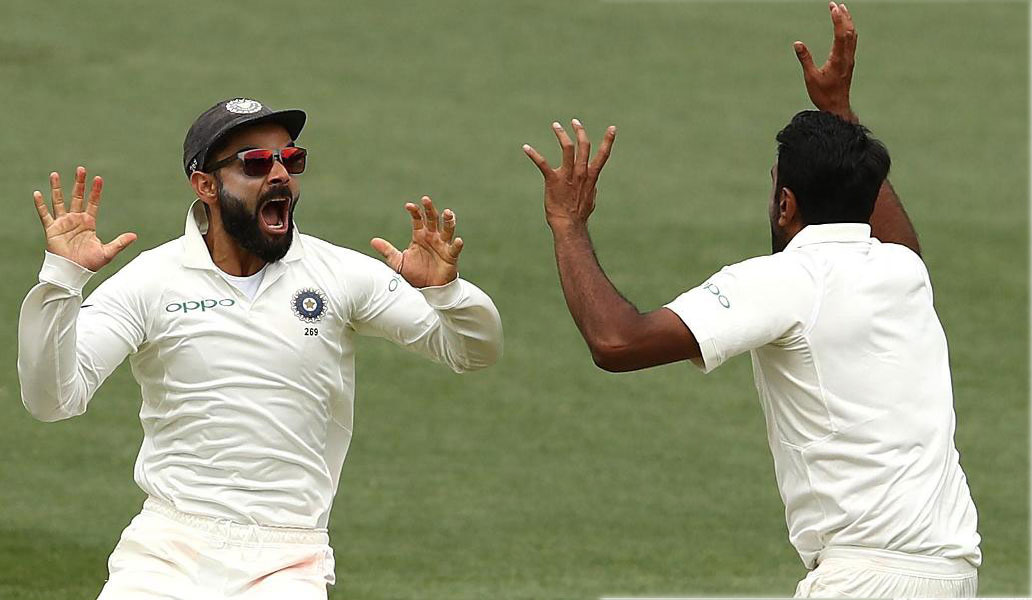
(230, 257)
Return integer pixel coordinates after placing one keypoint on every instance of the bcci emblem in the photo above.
(308, 305)
(243, 106)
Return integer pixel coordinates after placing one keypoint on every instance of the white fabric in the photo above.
(166, 555)
(866, 573)
(248, 284)
(853, 375)
(247, 408)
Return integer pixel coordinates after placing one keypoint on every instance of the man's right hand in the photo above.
(828, 86)
(72, 233)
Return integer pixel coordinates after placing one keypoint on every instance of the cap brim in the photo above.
(293, 120)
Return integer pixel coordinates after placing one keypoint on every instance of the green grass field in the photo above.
(542, 477)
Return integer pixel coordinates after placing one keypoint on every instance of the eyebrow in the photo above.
(246, 148)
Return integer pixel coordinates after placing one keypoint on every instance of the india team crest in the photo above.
(243, 106)
(308, 304)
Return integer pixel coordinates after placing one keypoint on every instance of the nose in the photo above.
(279, 173)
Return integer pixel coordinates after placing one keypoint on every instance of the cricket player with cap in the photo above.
(241, 336)
(849, 358)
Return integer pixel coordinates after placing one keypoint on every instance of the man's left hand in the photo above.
(432, 256)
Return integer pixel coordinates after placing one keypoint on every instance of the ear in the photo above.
(205, 186)
(786, 208)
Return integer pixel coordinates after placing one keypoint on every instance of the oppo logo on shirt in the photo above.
(721, 298)
(201, 305)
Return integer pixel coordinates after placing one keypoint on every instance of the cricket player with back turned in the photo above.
(848, 355)
(240, 334)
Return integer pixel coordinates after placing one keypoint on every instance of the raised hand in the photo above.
(432, 256)
(828, 86)
(570, 189)
(72, 233)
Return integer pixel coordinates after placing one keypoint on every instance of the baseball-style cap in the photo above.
(219, 120)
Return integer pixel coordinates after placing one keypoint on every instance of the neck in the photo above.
(227, 255)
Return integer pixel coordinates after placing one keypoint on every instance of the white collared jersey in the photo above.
(851, 365)
(246, 404)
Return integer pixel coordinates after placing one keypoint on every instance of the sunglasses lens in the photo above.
(257, 163)
(294, 159)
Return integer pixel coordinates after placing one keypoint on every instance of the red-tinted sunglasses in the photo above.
(258, 162)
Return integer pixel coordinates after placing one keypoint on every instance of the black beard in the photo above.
(242, 225)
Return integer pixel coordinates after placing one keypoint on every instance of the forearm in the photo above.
(605, 319)
(62, 360)
(51, 387)
(469, 335)
(889, 221)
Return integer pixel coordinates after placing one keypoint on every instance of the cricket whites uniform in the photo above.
(851, 365)
(247, 403)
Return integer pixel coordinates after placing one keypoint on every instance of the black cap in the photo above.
(219, 120)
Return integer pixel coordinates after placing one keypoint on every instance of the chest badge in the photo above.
(308, 304)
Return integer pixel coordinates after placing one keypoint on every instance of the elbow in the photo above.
(484, 357)
(476, 363)
(49, 410)
(48, 415)
(611, 355)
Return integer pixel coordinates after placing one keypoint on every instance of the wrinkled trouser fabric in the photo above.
(167, 555)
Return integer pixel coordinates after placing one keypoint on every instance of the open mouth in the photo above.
(274, 216)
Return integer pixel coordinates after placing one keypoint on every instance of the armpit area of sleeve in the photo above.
(691, 315)
(64, 273)
(446, 296)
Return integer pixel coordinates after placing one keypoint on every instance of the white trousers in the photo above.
(867, 573)
(168, 555)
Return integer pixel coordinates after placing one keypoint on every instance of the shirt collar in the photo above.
(196, 255)
(831, 232)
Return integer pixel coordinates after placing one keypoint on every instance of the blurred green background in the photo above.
(541, 477)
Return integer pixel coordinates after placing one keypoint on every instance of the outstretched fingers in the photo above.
(388, 251)
(567, 146)
(431, 213)
(805, 59)
(78, 189)
(604, 150)
(93, 204)
(447, 225)
(850, 33)
(417, 216)
(580, 161)
(455, 248)
(542, 164)
(56, 195)
(41, 209)
(840, 44)
(112, 248)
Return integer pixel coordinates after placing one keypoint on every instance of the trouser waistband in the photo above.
(232, 532)
(918, 564)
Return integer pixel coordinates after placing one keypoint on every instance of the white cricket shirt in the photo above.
(247, 404)
(852, 370)
(247, 284)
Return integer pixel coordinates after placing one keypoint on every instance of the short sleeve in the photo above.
(760, 301)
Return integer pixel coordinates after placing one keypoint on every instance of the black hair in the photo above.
(833, 167)
(221, 144)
